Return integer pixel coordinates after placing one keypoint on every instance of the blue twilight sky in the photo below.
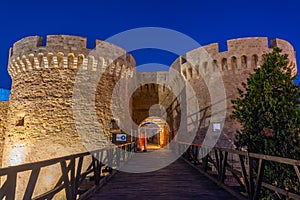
(205, 21)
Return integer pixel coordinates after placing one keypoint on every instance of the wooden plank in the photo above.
(8, 188)
(72, 177)
(79, 168)
(255, 155)
(261, 167)
(176, 181)
(244, 174)
(31, 183)
(40, 164)
(49, 194)
(251, 178)
(297, 172)
(66, 180)
(3, 190)
(11, 186)
(217, 161)
(205, 163)
(118, 157)
(223, 171)
(96, 171)
(237, 178)
(286, 193)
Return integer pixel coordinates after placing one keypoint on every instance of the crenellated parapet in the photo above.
(242, 54)
(61, 61)
(66, 52)
(152, 77)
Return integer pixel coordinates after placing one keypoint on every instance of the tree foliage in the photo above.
(268, 110)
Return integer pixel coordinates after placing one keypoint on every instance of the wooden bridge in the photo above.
(221, 174)
(179, 180)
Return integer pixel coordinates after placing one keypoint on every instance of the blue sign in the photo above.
(121, 137)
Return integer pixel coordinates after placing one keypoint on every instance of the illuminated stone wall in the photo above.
(41, 120)
(232, 67)
(3, 118)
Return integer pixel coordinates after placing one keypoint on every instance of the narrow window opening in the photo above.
(215, 65)
(224, 64)
(113, 125)
(20, 122)
(244, 61)
(233, 63)
(254, 61)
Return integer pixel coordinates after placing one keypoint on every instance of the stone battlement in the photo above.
(65, 51)
(55, 43)
(60, 60)
(248, 44)
(242, 53)
(152, 77)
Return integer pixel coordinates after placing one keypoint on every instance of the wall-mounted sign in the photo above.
(216, 127)
(121, 137)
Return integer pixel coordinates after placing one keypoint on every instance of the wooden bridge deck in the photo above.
(178, 180)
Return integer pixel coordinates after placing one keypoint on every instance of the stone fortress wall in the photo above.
(200, 68)
(3, 119)
(38, 121)
(40, 107)
(233, 67)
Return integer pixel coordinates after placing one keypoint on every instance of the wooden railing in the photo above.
(239, 172)
(72, 177)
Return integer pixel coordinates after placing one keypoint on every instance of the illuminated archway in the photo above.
(153, 134)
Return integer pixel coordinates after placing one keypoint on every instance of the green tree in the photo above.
(268, 110)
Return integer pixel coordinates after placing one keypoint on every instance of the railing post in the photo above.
(11, 183)
(79, 167)
(245, 176)
(217, 162)
(196, 155)
(223, 169)
(96, 170)
(261, 168)
(67, 185)
(251, 178)
(31, 183)
(118, 156)
(205, 163)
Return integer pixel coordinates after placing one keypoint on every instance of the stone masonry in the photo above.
(232, 67)
(39, 123)
(3, 118)
(40, 120)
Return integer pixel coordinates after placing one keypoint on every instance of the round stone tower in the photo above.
(40, 117)
(40, 121)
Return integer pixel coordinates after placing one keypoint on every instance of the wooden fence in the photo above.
(72, 174)
(246, 170)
